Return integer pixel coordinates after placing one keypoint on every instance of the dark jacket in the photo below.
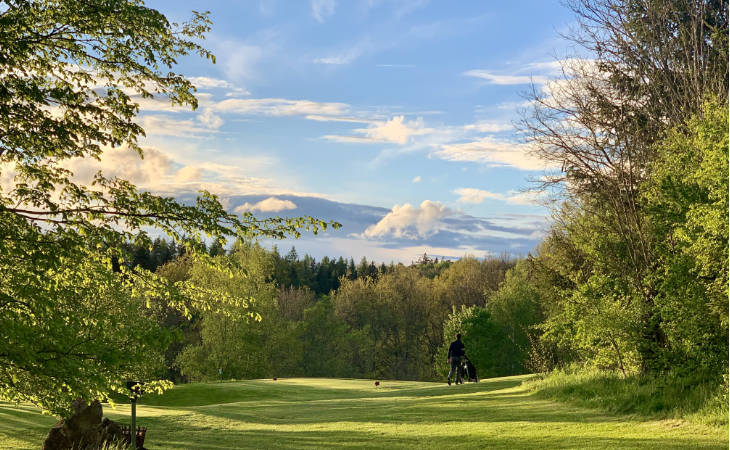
(456, 349)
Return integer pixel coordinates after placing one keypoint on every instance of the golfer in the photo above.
(456, 351)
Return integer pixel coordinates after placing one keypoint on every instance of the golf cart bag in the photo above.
(468, 371)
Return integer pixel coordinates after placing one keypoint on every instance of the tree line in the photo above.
(383, 321)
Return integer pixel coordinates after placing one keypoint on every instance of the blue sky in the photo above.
(392, 117)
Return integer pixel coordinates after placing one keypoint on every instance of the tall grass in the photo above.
(663, 398)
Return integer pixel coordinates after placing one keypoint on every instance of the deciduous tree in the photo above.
(72, 74)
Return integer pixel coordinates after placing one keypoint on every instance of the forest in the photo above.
(631, 279)
(332, 318)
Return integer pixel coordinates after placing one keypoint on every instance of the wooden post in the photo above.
(133, 431)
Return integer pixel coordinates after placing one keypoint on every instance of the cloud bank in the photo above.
(269, 205)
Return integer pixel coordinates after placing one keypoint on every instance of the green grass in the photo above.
(649, 397)
(316, 413)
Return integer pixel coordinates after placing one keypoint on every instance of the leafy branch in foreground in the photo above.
(72, 76)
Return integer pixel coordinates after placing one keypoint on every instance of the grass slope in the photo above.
(315, 413)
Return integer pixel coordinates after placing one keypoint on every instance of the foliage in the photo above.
(233, 344)
(487, 345)
(631, 293)
(596, 316)
(470, 280)
(518, 309)
(400, 315)
(382, 325)
(72, 331)
(594, 308)
(392, 312)
(688, 205)
(73, 75)
(325, 341)
(322, 277)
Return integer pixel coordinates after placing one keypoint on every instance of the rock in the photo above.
(57, 439)
(85, 429)
(111, 431)
(85, 425)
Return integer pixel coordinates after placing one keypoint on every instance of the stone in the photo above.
(111, 431)
(57, 439)
(85, 429)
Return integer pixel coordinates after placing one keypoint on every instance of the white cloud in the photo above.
(377, 252)
(173, 172)
(238, 59)
(396, 130)
(553, 68)
(216, 83)
(188, 174)
(208, 118)
(320, 118)
(271, 204)
(417, 179)
(348, 139)
(525, 198)
(168, 126)
(539, 72)
(472, 195)
(159, 103)
(488, 127)
(337, 60)
(322, 9)
(493, 152)
(209, 82)
(348, 54)
(124, 163)
(281, 107)
(493, 78)
(410, 222)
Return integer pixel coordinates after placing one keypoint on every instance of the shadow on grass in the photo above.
(316, 413)
(469, 403)
(358, 439)
(23, 424)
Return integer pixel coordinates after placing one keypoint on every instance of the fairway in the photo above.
(315, 413)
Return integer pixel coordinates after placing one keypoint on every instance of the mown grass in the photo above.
(650, 397)
(319, 413)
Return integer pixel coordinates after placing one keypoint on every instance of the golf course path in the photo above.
(318, 413)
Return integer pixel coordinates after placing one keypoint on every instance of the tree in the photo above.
(392, 312)
(234, 341)
(73, 73)
(687, 201)
(483, 338)
(651, 66)
(466, 281)
(324, 337)
(517, 308)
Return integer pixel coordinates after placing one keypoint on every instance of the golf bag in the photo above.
(468, 371)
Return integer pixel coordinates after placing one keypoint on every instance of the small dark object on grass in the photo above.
(377, 383)
(274, 378)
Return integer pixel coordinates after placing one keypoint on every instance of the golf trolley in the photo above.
(467, 371)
